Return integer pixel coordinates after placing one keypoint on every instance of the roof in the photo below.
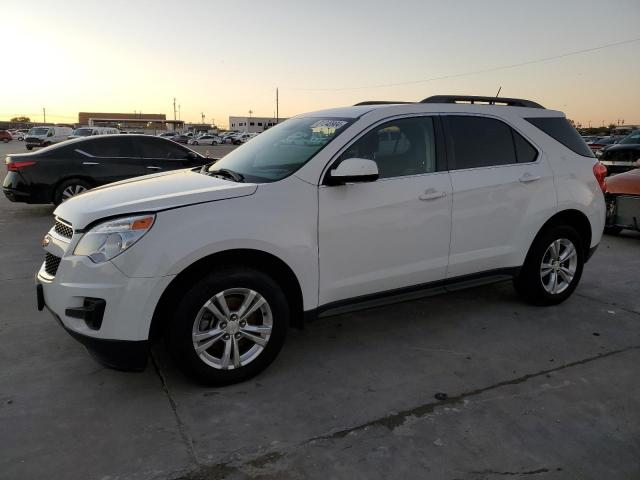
(358, 111)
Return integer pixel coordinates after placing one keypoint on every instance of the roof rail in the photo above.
(377, 102)
(512, 102)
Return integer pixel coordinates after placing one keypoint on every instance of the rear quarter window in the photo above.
(561, 130)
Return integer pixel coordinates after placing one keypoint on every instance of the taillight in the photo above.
(600, 172)
(15, 166)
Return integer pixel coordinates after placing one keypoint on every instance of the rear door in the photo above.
(159, 154)
(108, 159)
(503, 190)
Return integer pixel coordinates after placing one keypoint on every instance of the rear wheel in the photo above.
(194, 143)
(552, 268)
(69, 188)
(29, 147)
(228, 327)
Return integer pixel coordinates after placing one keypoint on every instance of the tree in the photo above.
(20, 119)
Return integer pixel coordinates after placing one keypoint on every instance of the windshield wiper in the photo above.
(226, 173)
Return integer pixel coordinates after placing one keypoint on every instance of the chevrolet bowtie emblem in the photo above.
(46, 240)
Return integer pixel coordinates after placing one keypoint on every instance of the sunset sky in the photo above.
(225, 58)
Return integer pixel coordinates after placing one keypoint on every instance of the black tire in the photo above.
(529, 283)
(29, 147)
(59, 193)
(5, 140)
(612, 230)
(178, 336)
(194, 143)
(214, 143)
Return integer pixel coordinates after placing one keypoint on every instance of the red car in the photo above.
(623, 201)
(5, 136)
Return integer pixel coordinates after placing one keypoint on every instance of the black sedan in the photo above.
(622, 156)
(56, 173)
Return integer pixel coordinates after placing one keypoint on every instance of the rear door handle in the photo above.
(91, 163)
(431, 194)
(154, 168)
(527, 177)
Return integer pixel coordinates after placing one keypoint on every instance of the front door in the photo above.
(391, 233)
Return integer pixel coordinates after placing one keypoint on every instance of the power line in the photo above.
(475, 72)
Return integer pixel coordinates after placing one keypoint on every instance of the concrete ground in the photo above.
(471, 385)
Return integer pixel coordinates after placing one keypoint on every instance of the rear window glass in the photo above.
(561, 130)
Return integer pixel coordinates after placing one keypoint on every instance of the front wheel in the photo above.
(29, 147)
(5, 140)
(553, 267)
(194, 143)
(228, 327)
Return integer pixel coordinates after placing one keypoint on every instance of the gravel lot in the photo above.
(471, 385)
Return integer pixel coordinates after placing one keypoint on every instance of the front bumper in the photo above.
(130, 356)
(117, 332)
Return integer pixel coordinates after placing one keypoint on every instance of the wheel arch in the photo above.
(573, 218)
(256, 259)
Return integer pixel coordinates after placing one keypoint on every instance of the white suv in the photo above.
(326, 212)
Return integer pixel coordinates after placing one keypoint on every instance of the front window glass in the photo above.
(400, 147)
(280, 151)
(38, 131)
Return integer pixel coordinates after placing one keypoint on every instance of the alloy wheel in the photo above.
(559, 266)
(72, 191)
(232, 328)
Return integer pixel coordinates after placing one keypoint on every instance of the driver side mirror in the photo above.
(191, 156)
(50, 134)
(354, 170)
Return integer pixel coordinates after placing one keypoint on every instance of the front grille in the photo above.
(63, 229)
(32, 140)
(51, 263)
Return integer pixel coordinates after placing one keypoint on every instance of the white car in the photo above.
(400, 201)
(205, 140)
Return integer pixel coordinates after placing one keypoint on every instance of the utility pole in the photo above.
(179, 115)
(277, 112)
(202, 116)
(174, 108)
(250, 112)
(44, 114)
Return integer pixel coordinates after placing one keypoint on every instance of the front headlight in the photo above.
(111, 238)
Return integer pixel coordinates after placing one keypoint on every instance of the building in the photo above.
(130, 121)
(252, 124)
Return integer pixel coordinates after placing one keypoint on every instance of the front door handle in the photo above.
(154, 168)
(527, 177)
(432, 194)
(91, 163)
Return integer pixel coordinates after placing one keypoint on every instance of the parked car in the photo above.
(181, 138)
(169, 135)
(45, 136)
(622, 156)
(205, 140)
(602, 143)
(19, 134)
(5, 136)
(57, 173)
(401, 200)
(89, 131)
(623, 201)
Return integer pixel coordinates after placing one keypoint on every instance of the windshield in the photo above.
(83, 132)
(38, 131)
(632, 138)
(283, 149)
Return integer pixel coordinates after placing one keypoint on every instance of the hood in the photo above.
(148, 194)
(627, 183)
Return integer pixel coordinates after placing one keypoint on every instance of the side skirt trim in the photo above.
(411, 293)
